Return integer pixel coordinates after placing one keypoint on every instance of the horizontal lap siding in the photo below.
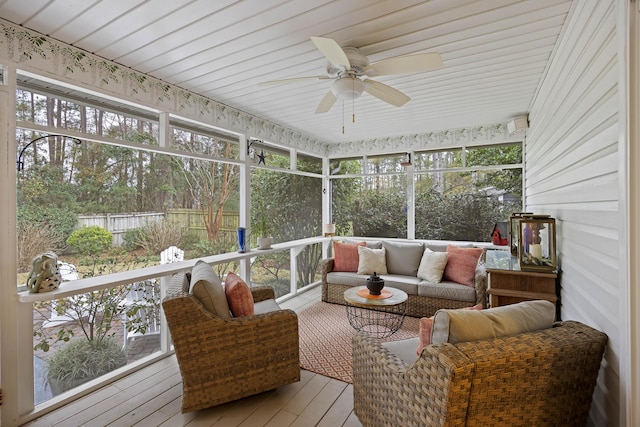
(571, 163)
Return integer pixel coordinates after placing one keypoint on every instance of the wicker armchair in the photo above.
(224, 360)
(542, 378)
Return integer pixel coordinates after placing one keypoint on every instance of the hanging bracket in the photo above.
(21, 163)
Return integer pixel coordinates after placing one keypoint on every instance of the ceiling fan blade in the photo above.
(386, 93)
(332, 51)
(293, 80)
(405, 65)
(326, 103)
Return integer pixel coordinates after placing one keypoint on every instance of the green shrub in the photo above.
(130, 239)
(159, 235)
(34, 239)
(80, 361)
(61, 221)
(90, 240)
(191, 240)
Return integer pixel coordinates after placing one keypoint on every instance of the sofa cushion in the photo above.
(447, 290)
(371, 260)
(346, 278)
(461, 265)
(426, 325)
(403, 257)
(455, 326)
(432, 265)
(238, 295)
(371, 244)
(409, 284)
(345, 256)
(442, 247)
(206, 286)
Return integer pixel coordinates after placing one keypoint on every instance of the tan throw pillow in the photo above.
(461, 264)
(371, 260)
(239, 296)
(206, 286)
(432, 265)
(345, 256)
(426, 325)
(455, 326)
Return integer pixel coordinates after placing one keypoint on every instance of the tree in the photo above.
(210, 183)
(292, 207)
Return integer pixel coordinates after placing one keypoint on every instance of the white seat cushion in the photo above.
(404, 349)
(265, 306)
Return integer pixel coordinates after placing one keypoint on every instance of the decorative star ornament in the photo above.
(261, 158)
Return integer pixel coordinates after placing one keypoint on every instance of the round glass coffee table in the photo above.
(379, 315)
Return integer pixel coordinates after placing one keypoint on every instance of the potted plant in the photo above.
(261, 228)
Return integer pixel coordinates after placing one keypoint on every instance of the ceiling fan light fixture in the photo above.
(348, 88)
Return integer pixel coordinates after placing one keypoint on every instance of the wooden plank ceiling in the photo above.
(494, 52)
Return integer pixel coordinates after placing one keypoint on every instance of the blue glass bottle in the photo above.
(242, 240)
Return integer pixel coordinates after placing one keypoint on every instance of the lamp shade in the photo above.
(329, 229)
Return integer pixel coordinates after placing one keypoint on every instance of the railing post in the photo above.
(169, 255)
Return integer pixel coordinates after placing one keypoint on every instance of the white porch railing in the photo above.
(29, 411)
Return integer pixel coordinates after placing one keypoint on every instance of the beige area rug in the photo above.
(325, 339)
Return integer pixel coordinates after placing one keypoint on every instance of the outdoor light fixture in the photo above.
(21, 163)
(408, 162)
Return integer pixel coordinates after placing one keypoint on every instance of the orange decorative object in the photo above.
(364, 293)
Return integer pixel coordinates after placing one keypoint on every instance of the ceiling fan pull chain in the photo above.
(343, 117)
(353, 101)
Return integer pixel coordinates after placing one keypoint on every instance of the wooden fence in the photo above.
(118, 224)
(192, 220)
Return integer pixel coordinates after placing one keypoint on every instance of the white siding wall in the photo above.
(572, 173)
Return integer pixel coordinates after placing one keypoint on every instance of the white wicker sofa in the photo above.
(403, 258)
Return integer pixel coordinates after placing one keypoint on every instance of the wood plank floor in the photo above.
(152, 397)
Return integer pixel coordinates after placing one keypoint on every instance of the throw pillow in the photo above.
(206, 286)
(456, 326)
(371, 260)
(403, 257)
(426, 325)
(345, 256)
(461, 264)
(239, 296)
(432, 265)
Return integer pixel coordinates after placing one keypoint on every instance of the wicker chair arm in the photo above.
(261, 293)
(372, 349)
(433, 391)
(327, 266)
(480, 284)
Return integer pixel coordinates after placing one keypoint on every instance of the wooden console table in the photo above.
(507, 284)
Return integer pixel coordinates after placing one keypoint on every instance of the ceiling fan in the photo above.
(350, 70)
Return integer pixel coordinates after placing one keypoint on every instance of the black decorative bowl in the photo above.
(375, 284)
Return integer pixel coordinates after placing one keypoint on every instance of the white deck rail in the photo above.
(81, 286)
